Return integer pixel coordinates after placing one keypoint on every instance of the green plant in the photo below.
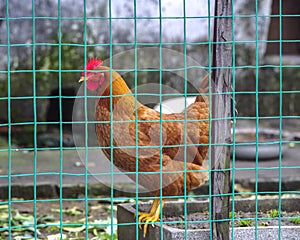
(273, 213)
(295, 220)
(245, 223)
(230, 214)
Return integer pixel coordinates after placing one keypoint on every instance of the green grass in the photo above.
(295, 220)
(241, 222)
(273, 213)
(245, 222)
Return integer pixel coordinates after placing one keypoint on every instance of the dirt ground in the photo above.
(63, 219)
(52, 223)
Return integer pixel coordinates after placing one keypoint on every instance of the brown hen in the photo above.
(156, 153)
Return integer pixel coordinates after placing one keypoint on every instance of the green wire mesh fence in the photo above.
(55, 180)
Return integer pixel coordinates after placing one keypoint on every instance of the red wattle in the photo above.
(92, 85)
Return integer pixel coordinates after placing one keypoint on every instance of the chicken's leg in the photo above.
(153, 215)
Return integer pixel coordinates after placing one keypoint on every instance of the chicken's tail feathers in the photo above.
(203, 89)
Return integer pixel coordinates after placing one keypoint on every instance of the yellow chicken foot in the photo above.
(152, 212)
(152, 216)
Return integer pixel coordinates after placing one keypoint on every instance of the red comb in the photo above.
(92, 63)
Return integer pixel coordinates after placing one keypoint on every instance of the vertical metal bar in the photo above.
(136, 116)
(34, 119)
(9, 170)
(280, 122)
(86, 125)
(233, 125)
(160, 114)
(221, 114)
(185, 121)
(209, 53)
(59, 36)
(256, 117)
(111, 119)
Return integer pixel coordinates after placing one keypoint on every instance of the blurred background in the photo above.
(255, 61)
(43, 45)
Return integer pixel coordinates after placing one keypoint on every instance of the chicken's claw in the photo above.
(147, 218)
(152, 216)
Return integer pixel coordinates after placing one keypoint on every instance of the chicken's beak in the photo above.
(82, 79)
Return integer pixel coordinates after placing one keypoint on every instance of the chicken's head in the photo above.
(93, 78)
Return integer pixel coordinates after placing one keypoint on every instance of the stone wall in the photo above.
(148, 31)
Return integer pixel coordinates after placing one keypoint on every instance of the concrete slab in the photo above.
(128, 228)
